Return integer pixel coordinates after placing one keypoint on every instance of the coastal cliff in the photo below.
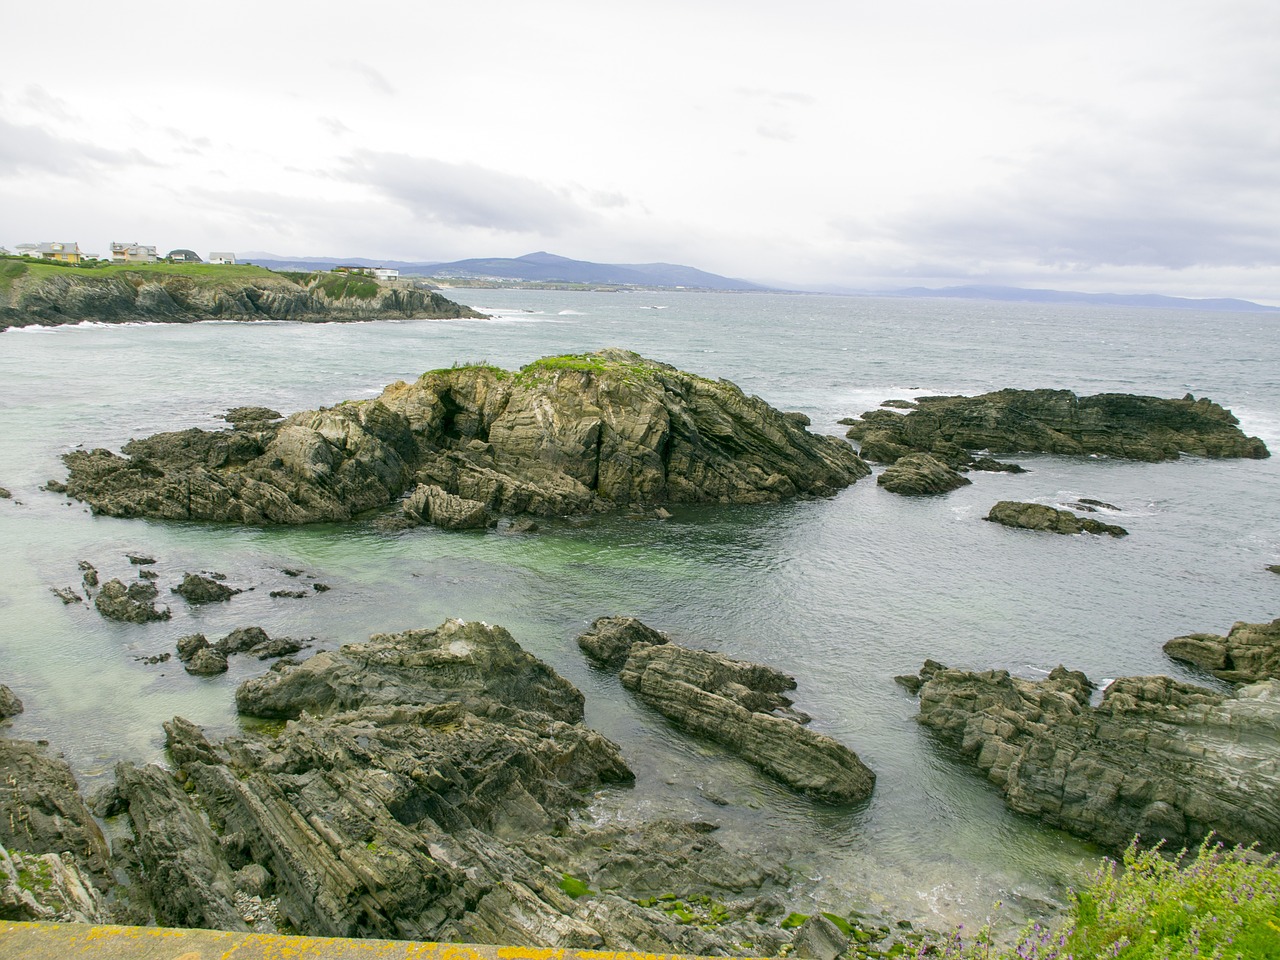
(34, 294)
(563, 436)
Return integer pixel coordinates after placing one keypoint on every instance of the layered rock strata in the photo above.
(737, 704)
(1057, 421)
(921, 473)
(563, 436)
(1037, 516)
(1248, 653)
(422, 789)
(1157, 758)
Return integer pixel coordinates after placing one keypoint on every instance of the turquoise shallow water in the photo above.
(843, 592)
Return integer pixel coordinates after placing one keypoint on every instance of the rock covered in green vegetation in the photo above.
(737, 704)
(1248, 653)
(1058, 421)
(921, 473)
(1037, 516)
(566, 435)
(1156, 758)
(46, 294)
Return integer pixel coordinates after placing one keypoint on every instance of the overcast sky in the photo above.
(1120, 146)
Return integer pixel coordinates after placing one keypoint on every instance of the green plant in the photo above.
(574, 887)
(1221, 903)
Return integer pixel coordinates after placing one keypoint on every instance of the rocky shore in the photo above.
(424, 786)
(1053, 421)
(49, 296)
(563, 436)
(1248, 653)
(737, 704)
(1155, 757)
(1037, 516)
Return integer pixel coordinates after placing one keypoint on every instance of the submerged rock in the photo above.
(1037, 516)
(735, 703)
(132, 604)
(565, 435)
(1158, 758)
(1248, 653)
(196, 589)
(921, 473)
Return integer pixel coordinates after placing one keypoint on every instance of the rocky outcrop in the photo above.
(1158, 758)
(48, 887)
(423, 791)
(921, 473)
(1037, 516)
(737, 704)
(1248, 653)
(50, 296)
(567, 435)
(1058, 421)
(10, 705)
(197, 588)
(134, 603)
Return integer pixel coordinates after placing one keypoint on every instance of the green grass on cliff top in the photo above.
(201, 273)
(1222, 903)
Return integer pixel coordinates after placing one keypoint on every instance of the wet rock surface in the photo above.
(1248, 653)
(197, 588)
(1038, 516)
(1058, 421)
(134, 603)
(1156, 757)
(737, 704)
(563, 436)
(921, 473)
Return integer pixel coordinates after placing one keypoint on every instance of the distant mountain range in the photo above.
(1022, 295)
(545, 267)
(534, 267)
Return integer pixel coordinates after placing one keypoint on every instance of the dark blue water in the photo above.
(844, 593)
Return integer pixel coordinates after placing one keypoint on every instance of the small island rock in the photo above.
(921, 473)
(1037, 516)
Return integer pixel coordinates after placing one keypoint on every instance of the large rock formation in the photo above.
(1248, 653)
(49, 295)
(1057, 421)
(735, 703)
(921, 473)
(563, 436)
(1158, 758)
(1037, 516)
(423, 791)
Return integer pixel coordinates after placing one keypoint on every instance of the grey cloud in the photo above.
(27, 149)
(40, 99)
(463, 194)
(776, 131)
(335, 126)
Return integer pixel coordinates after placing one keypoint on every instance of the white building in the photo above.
(132, 253)
(385, 273)
(223, 257)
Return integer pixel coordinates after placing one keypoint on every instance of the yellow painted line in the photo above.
(69, 941)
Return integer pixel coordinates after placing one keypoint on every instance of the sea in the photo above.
(844, 592)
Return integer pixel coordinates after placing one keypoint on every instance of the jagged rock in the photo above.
(55, 486)
(564, 436)
(187, 880)
(737, 704)
(66, 594)
(140, 559)
(432, 504)
(132, 604)
(90, 574)
(251, 417)
(289, 594)
(610, 640)
(1248, 653)
(57, 890)
(207, 662)
(190, 645)
(41, 810)
(1158, 758)
(200, 589)
(279, 647)
(818, 939)
(5, 493)
(921, 473)
(10, 705)
(455, 661)
(1037, 516)
(242, 640)
(1057, 421)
